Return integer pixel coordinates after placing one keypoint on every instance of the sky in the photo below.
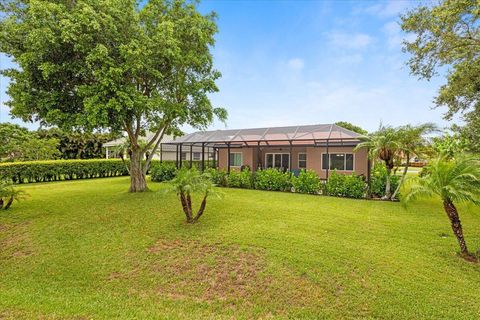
(311, 62)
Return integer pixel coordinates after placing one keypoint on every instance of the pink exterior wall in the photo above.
(314, 158)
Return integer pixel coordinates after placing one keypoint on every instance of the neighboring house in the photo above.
(164, 151)
(321, 148)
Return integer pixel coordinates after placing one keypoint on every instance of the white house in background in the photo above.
(164, 151)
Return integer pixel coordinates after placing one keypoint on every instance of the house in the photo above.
(167, 152)
(321, 148)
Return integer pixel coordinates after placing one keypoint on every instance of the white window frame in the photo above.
(241, 159)
(199, 156)
(298, 160)
(182, 154)
(274, 153)
(344, 161)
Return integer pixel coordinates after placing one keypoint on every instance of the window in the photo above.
(338, 161)
(196, 156)
(184, 156)
(302, 160)
(277, 160)
(235, 159)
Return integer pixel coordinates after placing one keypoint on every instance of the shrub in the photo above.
(240, 179)
(55, 170)
(307, 182)
(218, 177)
(272, 179)
(8, 194)
(341, 185)
(163, 171)
(379, 180)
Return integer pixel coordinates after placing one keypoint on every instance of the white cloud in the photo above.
(296, 64)
(349, 40)
(385, 9)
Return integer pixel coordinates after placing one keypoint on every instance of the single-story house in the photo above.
(321, 148)
(165, 151)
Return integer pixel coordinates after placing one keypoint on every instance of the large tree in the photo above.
(111, 64)
(448, 41)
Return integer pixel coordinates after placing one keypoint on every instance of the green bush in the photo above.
(272, 179)
(164, 171)
(307, 182)
(379, 181)
(240, 179)
(218, 177)
(56, 170)
(340, 185)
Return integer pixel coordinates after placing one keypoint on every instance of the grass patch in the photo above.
(88, 249)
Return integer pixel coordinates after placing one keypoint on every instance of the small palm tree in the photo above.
(412, 142)
(185, 184)
(8, 194)
(384, 145)
(455, 181)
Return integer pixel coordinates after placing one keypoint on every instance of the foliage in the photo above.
(272, 179)
(56, 170)
(13, 136)
(448, 41)
(188, 182)
(351, 127)
(342, 185)
(379, 180)
(163, 171)
(112, 65)
(384, 144)
(449, 145)
(307, 182)
(77, 145)
(454, 181)
(218, 177)
(240, 179)
(35, 149)
(8, 194)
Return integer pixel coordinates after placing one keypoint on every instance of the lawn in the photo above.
(88, 249)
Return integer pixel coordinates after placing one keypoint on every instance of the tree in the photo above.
(8, 194)
(383, 145)
(412, 142)
(454, 181)
(448, 40)
(185, 184)
(449, 145)
(351, 127)
(35, 149)
(114, 65)
(12, 136)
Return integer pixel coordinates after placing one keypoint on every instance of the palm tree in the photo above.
(8, 194)
(185, 184)
(454, 181)
(412, 142)
(384, 145)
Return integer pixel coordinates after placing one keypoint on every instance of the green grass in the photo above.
(88, 249)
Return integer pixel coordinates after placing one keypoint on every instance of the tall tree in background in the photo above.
(110, 64)
(351, 127)
(448, 35)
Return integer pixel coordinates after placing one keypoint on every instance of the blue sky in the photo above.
(307, 62)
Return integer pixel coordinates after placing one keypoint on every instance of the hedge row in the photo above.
(56, 170)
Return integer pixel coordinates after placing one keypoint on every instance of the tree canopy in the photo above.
(112, 64)
(351, 127)
(448, 41)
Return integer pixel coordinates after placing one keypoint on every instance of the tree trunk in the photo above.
(405, 170)
(138, 182)
(456, 225)
(202, 208)
(187, 208)
(388, 192)
(1, 203)
(9, 203)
